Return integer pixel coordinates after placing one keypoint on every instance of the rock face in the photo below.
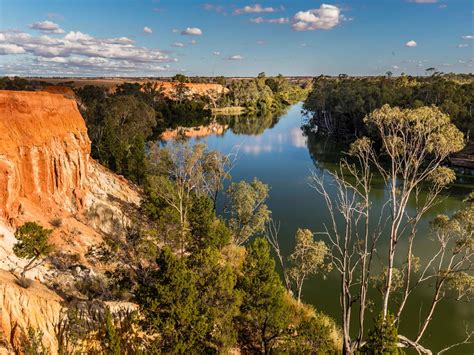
(44, 153)
(36, 308)
(48, 176)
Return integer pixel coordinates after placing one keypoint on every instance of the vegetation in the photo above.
(413, 143)
(33, 245)
(339, 105)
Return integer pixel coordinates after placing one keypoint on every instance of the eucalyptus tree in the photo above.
(413, 145)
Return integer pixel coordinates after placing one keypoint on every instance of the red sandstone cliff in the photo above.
(44, 153)
(46, 173)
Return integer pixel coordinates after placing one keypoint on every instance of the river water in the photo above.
(275, 150)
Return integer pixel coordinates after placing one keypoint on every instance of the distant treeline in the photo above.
(339, 105)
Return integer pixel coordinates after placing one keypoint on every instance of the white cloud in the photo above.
(235, 57)
(278, 21)
(47, 26)
(324, 18)
(178, 44)
(261, 43)
(257, 20)
(78, 36)
(411, 43)
(216, 53)
(193, 42)
(147, 29)
(77, 52)
(254, 9)
(191, 31)
(395, 67)
(463, 45)
(424, 1)
(467, 37)
(10, 49)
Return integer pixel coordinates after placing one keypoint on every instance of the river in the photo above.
(275, 150)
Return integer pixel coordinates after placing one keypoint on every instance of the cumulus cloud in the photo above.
(234, 57)
(467, 37)
(8, 48)
(178, 44)
(147, 29)
(411, 43)
(216, 53)
(191, 31)
(324, 18)
(193, 42)
(278, 21)
(77, 52)
(47, 26)
(254, 9)
(261, 42)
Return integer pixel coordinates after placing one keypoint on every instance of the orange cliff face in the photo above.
(44, 152)
(47, 174)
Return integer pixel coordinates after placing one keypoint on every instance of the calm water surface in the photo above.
(275, 150)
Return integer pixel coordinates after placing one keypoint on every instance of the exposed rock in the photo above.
(48, 176)
(35, 307)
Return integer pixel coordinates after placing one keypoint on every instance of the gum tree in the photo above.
(406, 148)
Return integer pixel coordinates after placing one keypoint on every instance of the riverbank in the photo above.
(229, 110)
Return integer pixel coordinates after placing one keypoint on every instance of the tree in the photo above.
(168, 301)
(180, 173)
(112, 343)
(413, 144)
(248, 211)
(307, 259)
(219, 300)
(264, 317)
(33, 245)
(180, 78)
(127, 124)
(206, 230)
(383, 338)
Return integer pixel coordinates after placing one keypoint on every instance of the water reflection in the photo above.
(277, 151)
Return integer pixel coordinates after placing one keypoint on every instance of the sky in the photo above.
(234, 38)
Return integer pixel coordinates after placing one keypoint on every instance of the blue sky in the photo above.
(234, 38)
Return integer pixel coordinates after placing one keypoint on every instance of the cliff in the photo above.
(44, 153)
(48, 176)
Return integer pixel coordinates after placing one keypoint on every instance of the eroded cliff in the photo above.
(48, 176)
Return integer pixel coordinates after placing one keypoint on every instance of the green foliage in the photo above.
(190, 303)
(32, 342)
(218, 302)
(168, 302)
(383, 338)
(264, 316)
(340, 104)
(180, 78)
(263, 94)
(248, 211)
(112, 344)
(33, 244)
(308, 257)
(206, 230)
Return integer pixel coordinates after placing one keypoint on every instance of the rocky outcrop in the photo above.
(44, 153)
(48, 176)
(34, 308)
